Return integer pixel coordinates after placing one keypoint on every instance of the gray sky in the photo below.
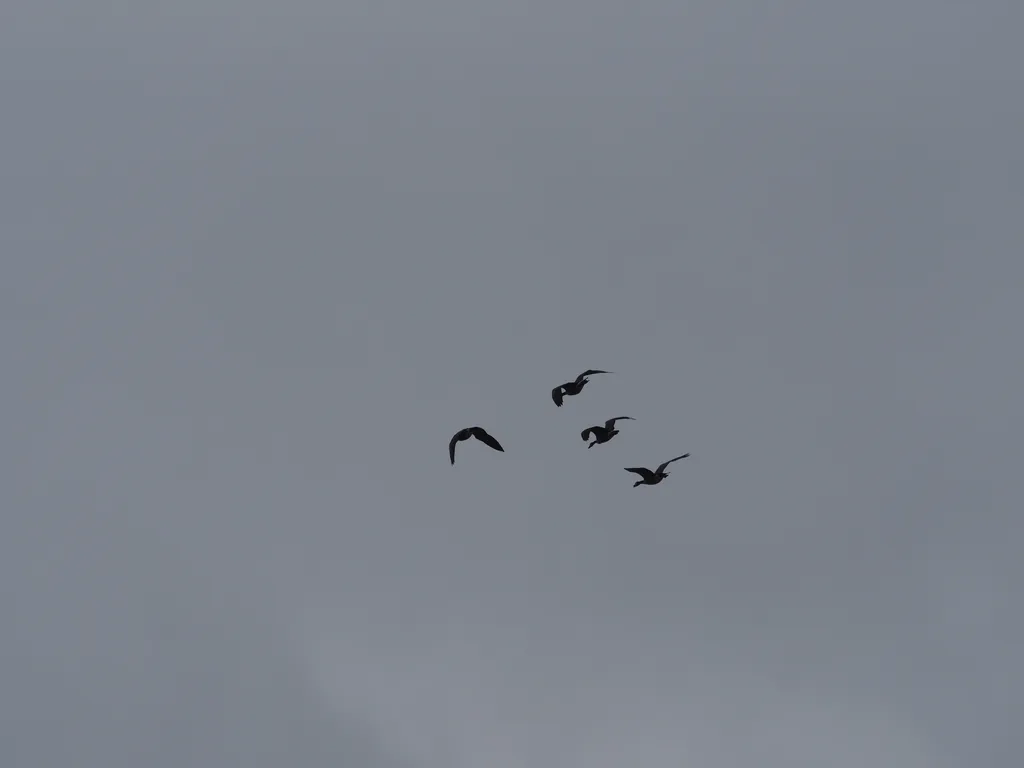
(261, 260)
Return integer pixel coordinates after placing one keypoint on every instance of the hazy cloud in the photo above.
(261, 261)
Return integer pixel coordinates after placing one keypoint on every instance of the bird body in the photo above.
(572, 387)
(605, 433)
(479, 433)
(655, 477)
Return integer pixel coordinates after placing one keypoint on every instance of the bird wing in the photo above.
(588, 373)
(610, 424)
(677, 458)
(644, 472)
(556, 395)
(451, 447)
(585, 434)
(481, 434)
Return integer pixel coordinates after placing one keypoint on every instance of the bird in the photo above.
(479, 433)
(655, 477)
(572, 387)
(605, 433)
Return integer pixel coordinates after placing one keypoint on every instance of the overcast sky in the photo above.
(261, 260)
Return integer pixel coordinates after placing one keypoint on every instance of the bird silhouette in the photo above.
(479, 433)
(655, 477)
(572, 387)
(605, 433)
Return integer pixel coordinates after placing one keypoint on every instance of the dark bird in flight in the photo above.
(655, 477)
(479, 433)
(605, 433)
(572, 387)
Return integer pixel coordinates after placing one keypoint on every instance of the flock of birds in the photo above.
(601, 434)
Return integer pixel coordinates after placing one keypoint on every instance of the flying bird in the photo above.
(655, 477)
(479, 433)
(605, 433)
(572, 387)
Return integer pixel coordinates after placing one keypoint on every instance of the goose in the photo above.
(572, 387)
(605, 433)
(655, 477)
(479, 433)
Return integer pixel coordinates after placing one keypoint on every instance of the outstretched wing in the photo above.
(588, 373)
(481, 434)
(585, 434)
(644, 472)
(556, 395)
(451, 447)
(677, 458)
(610, 424)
